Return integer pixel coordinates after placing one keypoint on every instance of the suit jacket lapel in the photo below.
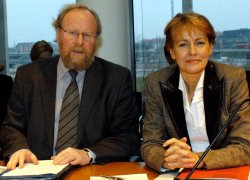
(213, 92)
(92, 84)
(48, 96)
(173, 100)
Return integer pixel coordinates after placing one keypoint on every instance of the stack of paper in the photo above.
(45, 167)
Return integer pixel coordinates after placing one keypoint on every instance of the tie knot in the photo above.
(73, 73)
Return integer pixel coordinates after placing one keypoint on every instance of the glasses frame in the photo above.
(74, 35)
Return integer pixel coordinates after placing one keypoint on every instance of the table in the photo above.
(114, 168)
(124, 168)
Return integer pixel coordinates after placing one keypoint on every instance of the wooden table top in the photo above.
(114, 168)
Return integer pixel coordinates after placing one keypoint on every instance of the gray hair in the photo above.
(57, 23)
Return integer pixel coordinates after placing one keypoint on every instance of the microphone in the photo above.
(216, 138)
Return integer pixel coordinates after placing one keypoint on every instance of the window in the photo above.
(229, 19)
(29, 21)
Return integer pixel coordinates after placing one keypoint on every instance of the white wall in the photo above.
(115, 37)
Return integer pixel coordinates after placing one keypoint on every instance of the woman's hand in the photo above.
(179, 154)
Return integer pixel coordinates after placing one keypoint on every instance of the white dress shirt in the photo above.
(195, 116)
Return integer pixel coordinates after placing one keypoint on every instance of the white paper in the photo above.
(167, 176)
(44, 167)
(2, 168)
(126, 177)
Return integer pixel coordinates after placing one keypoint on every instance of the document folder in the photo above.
(44, 170)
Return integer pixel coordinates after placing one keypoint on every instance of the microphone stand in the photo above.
(215, 139)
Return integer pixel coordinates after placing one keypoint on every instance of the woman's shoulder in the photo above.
(227, 69)
(164, 72)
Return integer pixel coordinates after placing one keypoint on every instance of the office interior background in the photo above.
(132, 31)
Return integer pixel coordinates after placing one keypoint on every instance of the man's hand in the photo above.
(20, 157)
(179, 154)
(72, 156)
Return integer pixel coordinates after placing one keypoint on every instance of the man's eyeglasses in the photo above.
(74, 35)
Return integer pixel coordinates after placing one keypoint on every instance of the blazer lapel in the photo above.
(174, 103)
(48, 95)
(213, 95)
(213, 89)
(92, 84)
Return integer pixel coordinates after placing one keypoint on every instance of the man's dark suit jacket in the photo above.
(107, 120)
(5, 91)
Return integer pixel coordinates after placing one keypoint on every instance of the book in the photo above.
(44, 170)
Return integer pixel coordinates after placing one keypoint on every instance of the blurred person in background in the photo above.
(41, 50)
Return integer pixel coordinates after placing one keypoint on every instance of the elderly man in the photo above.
(74, 108)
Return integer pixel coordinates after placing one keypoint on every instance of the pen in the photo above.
(112, 177)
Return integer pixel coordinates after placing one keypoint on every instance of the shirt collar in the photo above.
(200, 84)
(63, 71)
(201, 81)
(198, 93)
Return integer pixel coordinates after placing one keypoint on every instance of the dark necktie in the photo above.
(67, 131)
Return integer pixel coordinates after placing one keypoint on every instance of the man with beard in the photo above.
(105, 124)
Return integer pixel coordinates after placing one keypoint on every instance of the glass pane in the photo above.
(230, 21)
(229, 18)
(150, 18)
(29, 21)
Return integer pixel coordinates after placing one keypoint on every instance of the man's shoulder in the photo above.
(4, 77)
(110, 66)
